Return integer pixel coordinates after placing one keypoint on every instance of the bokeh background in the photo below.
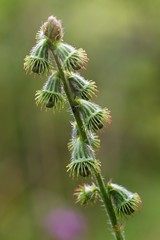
(122, 39)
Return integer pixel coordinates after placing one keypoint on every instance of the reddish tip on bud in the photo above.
(52, 29)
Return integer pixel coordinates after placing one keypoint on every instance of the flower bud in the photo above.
(51, 95)
(83, 162)
(38, 60)
(125, 202)
(81, 87)
(71, 58)
(94, 116)
(52, 29)
(86, 194)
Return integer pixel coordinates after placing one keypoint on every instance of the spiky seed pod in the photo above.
(81, 87)
(83, 162)
(94, 116)
(125, 202)
(93, 138)
(52, 29)
(71, 58)
(87, 194)
(51, 95)
(38, 60)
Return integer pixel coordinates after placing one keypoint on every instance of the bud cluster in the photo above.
(41, 60)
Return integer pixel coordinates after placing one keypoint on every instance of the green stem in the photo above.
(103, 192)
(71, 99)
(116, 227)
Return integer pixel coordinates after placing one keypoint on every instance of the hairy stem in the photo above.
(103, 192)
(116, 227)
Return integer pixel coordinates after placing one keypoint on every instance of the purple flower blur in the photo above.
(65, 224)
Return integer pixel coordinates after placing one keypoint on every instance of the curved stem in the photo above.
(103, 192)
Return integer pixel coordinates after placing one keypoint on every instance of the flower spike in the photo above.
(64, 83)
(51, 95)
(94, 116)
(125, 202)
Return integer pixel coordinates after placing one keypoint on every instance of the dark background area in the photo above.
(122, 39)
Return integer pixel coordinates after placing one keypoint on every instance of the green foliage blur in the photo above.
(122, 39)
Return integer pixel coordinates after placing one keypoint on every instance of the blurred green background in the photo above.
(122, 39)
